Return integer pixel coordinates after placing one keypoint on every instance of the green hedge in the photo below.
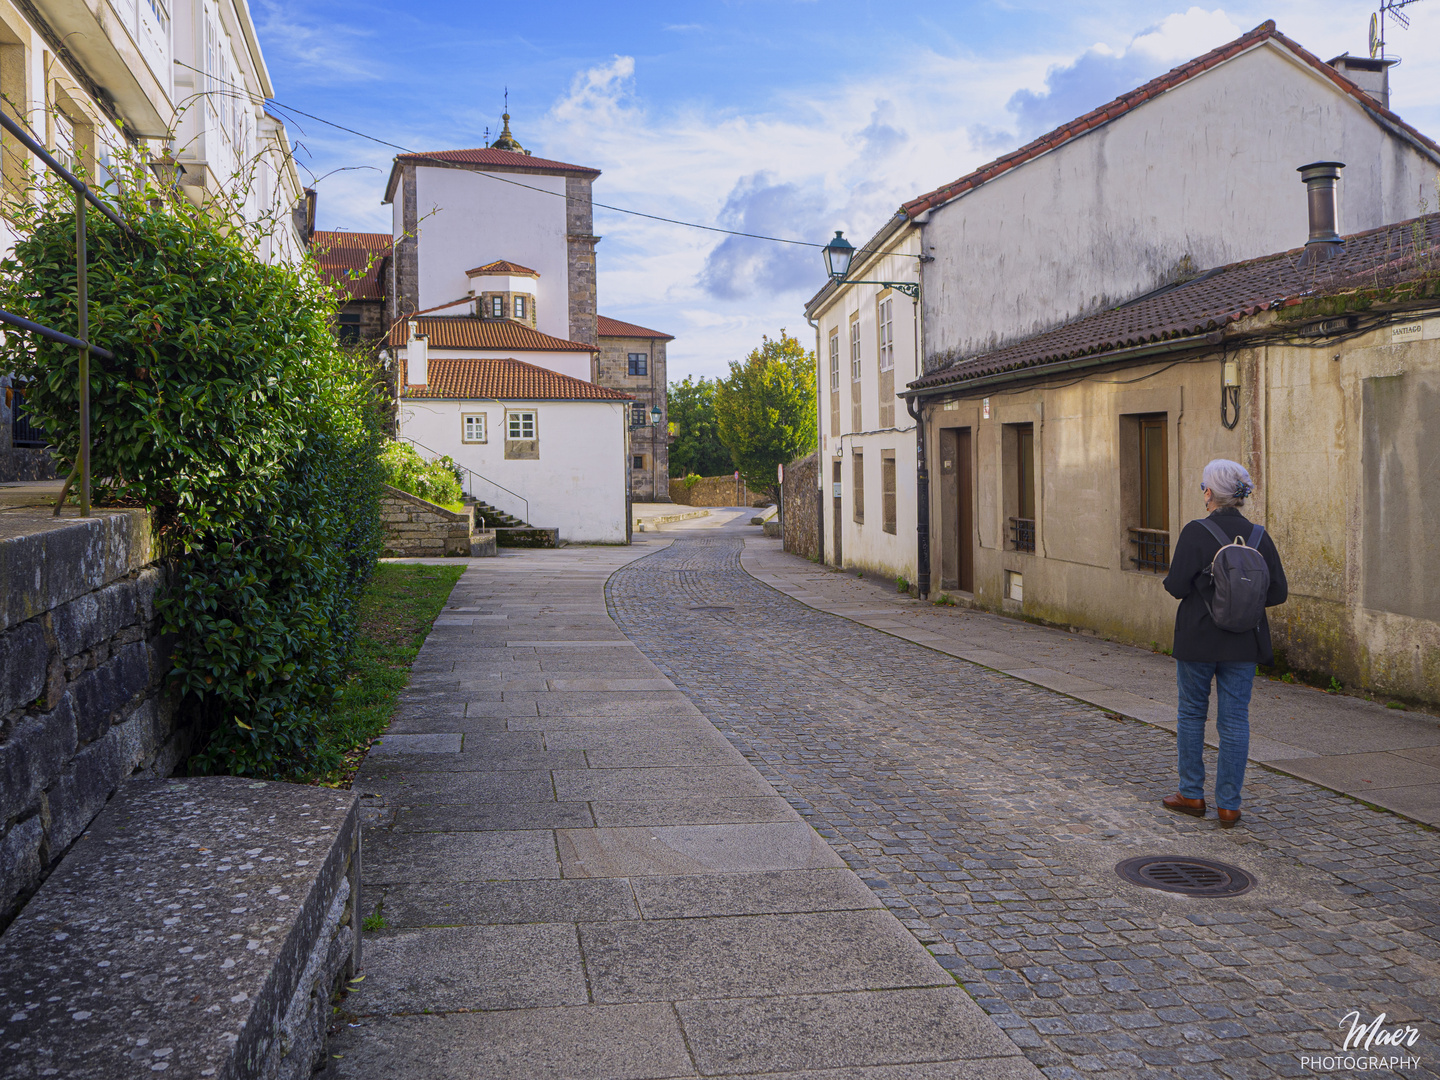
(435, 481)
(231, 412)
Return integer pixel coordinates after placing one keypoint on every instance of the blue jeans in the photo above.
(1233, 682)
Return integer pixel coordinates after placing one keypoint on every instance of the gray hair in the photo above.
(1227, 481)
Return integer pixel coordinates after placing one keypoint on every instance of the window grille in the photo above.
(1152, 549)
(887, 492)
(638, 462)
(474, 428)
(1022, 533)
(521, 425)
(638, 364)
(23, 431)
(857, 484)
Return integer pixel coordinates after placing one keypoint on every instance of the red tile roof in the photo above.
(503, 379)
(1208, 303)
(615, 328)
(468, 332)
(501, 266)
(1154, 88)
(352, 261)
(502, 159)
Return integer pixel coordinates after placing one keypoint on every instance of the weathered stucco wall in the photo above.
(1343, 454)
(1152, 195)
(81, 669)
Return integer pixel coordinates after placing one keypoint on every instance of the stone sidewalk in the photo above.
(580, 877)
(1361, 748)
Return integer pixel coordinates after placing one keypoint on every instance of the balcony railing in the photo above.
(1152, 549)
(1022, 533)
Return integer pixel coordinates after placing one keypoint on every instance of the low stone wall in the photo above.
(801, 507)
(415, 528)
(207, 923)
(82, 665)
(710, 491)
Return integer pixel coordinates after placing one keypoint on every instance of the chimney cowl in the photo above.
(1322, 201)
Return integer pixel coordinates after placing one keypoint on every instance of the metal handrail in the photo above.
(472, 472)
(83, 194)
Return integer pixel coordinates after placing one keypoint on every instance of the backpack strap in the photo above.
(1255, 534)
(1216, 531)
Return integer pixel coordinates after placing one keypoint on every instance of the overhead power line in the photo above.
(282, 107)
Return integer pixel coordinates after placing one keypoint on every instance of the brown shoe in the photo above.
(1228, 818)
(1181, 805)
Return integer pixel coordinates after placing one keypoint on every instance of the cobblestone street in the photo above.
(989, 814)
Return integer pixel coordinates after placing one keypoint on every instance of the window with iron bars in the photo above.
(1022, 533)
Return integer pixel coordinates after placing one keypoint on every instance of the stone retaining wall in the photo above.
(711, 491)
(801, 499)
(81, 669)
(415, 528)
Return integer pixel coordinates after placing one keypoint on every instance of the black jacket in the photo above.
(1196, 635)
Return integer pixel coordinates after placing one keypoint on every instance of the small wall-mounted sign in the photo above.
(985, 409)
(1409, 332)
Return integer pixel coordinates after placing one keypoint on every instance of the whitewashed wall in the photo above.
(1205, 171)
(475, 219)
(577, 484)
(866, 545)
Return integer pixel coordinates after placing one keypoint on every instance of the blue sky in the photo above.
(784, 117)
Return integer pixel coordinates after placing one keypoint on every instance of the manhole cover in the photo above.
(1192, 877)
(712, 607)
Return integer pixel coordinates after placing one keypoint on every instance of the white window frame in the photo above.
(887, 334)
(516, 423)
(469, 422)
(835, 361)
(854, 350)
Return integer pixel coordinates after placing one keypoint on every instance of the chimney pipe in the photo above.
(1322, 199)
(417, 361)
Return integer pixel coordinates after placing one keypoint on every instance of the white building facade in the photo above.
(536, 443)
(1194, 170)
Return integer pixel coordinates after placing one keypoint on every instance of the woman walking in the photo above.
(1204, 651)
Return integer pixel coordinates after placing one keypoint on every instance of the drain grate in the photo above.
(712, 607)
(1190, 877)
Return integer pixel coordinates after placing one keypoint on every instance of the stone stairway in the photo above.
(510, 531)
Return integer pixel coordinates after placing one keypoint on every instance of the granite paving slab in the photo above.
(472, 967)
(496, 903)
(542, 888)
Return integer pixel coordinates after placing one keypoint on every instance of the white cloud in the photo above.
(1182, 35)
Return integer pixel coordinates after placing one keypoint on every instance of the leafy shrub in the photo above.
(230, 412)
(691, 479)
(433, 481)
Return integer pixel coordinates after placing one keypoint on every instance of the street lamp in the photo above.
(839, 253)
(655, 415)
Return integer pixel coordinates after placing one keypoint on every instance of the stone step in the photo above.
(528, 536)
(199, 926)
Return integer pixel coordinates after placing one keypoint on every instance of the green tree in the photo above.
(697, 447)
(766, 409)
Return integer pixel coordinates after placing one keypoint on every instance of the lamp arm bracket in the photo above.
(907, 288)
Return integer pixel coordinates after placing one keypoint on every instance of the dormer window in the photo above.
(519, 307)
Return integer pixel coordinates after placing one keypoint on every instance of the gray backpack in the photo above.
(1241, 579)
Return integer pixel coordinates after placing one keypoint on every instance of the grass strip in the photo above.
(398, 608)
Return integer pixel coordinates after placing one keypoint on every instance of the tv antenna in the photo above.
(1393, 8)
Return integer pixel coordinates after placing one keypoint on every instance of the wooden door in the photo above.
(965, 505)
